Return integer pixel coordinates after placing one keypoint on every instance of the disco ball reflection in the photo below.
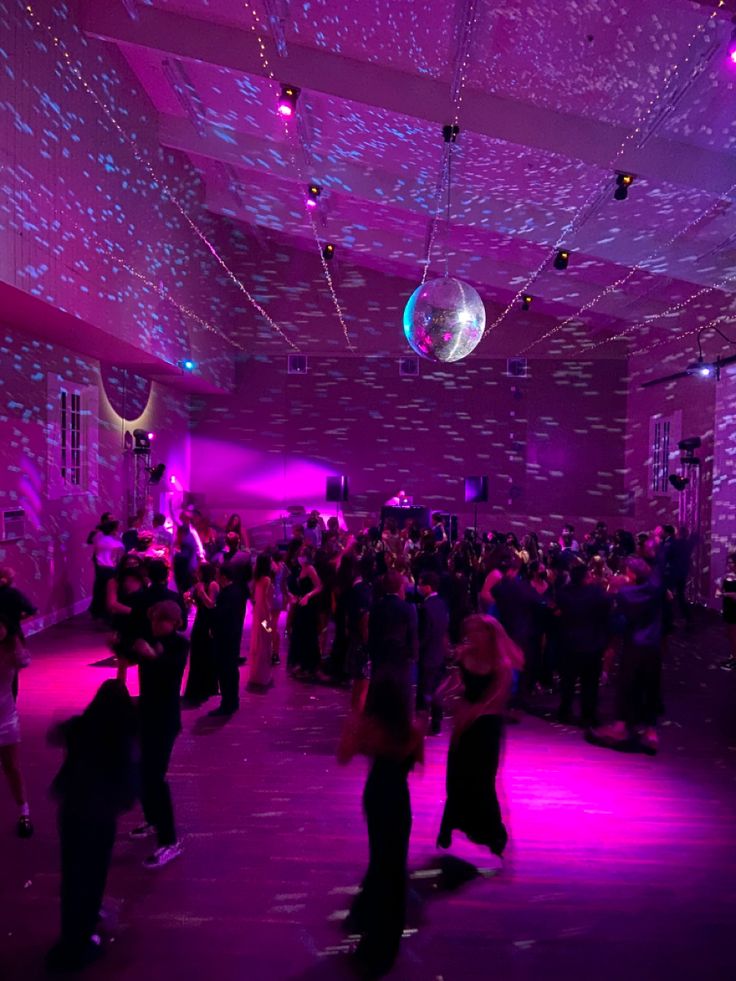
(444, 319)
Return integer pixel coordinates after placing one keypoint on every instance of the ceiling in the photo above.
(554, 98)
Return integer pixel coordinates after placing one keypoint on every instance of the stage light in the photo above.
(142, 441)
(623, 183)
(678, 482)
(561, 259)
(328, 252)
(187, 364)
(156, 473)
(287, 100)
(313, 192)
(526, 301)
(172, 479)
(151, 436)
(450, 132)
(702, 368)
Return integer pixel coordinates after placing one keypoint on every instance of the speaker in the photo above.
(337, 489)
(476, 490)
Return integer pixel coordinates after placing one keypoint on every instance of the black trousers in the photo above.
(429, 679)
(639, 685)
(228, 673)
(584, 666)
(98, 606)
(156, 747)
(379, 910)
(86, 851)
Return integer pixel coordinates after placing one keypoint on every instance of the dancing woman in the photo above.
(486, 662)
(384, 733)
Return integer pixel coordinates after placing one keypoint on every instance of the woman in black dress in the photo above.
(97, 782)
(305, 589)
(202, 678)
(486, 662)
(386, 734)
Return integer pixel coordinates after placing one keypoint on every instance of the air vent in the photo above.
(408, 367)
(296, 364)
(517, 368)
(12, 525)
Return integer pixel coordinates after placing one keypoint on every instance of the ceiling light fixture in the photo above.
(287, 100)
(526, 301)
(313, 192)
(561, 259)
(623, 183)
(328, 252)
(187, 364)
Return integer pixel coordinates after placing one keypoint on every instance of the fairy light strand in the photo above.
(570, 228)
(291, 139)
(156, 178)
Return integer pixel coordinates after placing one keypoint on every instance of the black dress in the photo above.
(304, 644)
(379, 910)
(472, 763)
(202, 678)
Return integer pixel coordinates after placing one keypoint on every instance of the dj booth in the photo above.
(403, 515)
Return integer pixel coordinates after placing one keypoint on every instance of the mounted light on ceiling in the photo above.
(561, 259)
(703, 369)
(287, 100)
(328, 252)
(187, 364)
(313, 192)
(623, 183)
(526, 301)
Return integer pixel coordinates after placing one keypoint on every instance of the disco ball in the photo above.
(444, 319)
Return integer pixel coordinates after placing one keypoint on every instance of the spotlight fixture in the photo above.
(313, 192)
(450, 133)
(156, 473)
(703, 369)
(732, 46)
(287, 100)
(142, 441)
(526, 301)
(623, 183)
(187, 364)
(561, 259)
(678, 482)
(328, 252)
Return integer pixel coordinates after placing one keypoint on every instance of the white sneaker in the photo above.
(162, 856)
(143, 831)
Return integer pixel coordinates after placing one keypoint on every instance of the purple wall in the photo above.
(552, 444)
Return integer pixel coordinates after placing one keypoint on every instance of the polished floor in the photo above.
(620, 866)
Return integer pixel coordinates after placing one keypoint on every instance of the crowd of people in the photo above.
(413, 624)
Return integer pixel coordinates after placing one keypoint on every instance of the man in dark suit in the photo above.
(434, 620)
(393, 643)
(227, 631)
(585, 630)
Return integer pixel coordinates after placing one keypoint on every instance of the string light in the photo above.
(575, 222)
(156, 178)
(291, 139)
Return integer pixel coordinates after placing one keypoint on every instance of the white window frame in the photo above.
(665, 432)
(72, 449)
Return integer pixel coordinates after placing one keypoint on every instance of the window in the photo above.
(73, 431)
(664, 435)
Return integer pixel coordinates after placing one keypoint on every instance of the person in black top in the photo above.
(227, 626)
(393, 642)
(157, 592)
(161, 665)
(584, 634)
(15, 607)
(433, 626)
(97, 782)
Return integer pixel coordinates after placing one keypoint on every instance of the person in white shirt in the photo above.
(108, 549)
(400, 500)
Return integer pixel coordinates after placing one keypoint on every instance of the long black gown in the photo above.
(304, 643)
(379, 910)
(472, 763)
(202, 678)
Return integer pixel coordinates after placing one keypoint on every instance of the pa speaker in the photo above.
(476, 490)
(337, 489)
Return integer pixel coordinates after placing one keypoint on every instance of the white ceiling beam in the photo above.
(573, 137)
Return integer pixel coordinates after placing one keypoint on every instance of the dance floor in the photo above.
(620, 866)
